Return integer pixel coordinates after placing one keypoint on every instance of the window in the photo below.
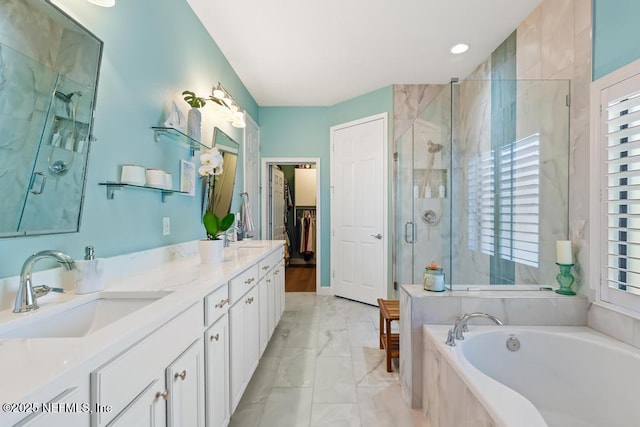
(621, 117)
(517, 201)
(480, 202)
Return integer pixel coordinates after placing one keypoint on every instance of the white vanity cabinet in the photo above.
(244, 331)
(141, 383)
(70, 408)
(216, 341)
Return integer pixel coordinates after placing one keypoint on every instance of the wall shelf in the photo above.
(112, 186)
(177, 137)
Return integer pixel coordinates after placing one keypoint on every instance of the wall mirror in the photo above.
(224, 184)
(49, 67)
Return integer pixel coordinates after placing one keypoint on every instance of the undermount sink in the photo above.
(85, 318)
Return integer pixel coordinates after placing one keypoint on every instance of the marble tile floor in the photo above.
(323, 367)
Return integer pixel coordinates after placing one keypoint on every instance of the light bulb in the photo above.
(218, 92)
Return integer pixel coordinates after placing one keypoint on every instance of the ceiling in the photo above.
(304, 53)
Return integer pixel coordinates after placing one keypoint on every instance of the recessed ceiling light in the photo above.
(103, 3)
(459, 48)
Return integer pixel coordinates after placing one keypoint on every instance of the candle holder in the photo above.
(565, 279)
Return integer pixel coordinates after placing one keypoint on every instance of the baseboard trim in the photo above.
(324, 290)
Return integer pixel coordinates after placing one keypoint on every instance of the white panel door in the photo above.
(277, 204)
(252, 171)
(359, 209)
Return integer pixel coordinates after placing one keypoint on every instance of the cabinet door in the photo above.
(185, 382)
(69, 408)
(263, 287)
(272, 302)
(236, 352)
(147, 409)
(217, 373)
(279, 277)
(252, 332)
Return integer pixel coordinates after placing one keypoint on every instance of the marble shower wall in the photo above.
(554, 42)
(39, 55)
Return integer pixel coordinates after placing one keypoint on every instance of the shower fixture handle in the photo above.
(410, 225)
(377, 236)
(42, 183)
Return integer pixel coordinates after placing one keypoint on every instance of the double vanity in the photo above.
(168, 343)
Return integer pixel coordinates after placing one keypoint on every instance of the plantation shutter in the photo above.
(480, 203)
(621, 193)
(519, 200)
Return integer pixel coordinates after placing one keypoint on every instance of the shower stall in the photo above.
(481, 184)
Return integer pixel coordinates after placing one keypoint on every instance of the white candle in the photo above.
(563, 252)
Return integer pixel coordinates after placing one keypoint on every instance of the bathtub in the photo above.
(559, 377)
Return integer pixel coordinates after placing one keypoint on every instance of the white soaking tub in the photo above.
(558, 377)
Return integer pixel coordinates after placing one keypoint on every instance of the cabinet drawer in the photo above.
(118, 382)
(242, 283)
(216, 304)
(267, 263)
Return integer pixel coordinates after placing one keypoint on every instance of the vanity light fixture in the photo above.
(103, 3)
(228, 105)
(459, 48)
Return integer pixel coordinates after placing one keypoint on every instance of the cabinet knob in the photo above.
(268, 280)
(249, 280)
(276, 272)
(266, 267)
(215, 337)
(182, 375)
(222, 303)
(249, 300)
(164, 395)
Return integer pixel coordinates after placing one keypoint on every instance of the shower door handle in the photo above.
(42, 183)
(413, 232)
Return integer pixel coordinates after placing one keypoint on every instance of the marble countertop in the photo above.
(33, 368)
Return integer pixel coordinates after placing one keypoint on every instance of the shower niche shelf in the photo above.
(112, 186)
(177, 137)
(426, 183)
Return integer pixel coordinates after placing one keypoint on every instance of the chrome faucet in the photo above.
(26, 298)
(461, 326)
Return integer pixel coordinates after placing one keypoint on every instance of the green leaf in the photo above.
(227, 222)
(211, 224)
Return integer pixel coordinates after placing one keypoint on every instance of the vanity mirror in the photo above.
(49, 72)
(224, 184)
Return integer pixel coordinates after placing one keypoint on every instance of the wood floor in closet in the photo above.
(300, 279)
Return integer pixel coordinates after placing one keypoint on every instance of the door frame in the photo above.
(385, 195)
(267, 162)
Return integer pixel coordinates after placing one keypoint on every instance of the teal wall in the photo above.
(615, 35)
(153, 50)
(304, 132)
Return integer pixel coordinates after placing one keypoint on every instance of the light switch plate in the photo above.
(166, 226)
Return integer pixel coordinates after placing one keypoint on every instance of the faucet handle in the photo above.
(451, 340)
(42, 290)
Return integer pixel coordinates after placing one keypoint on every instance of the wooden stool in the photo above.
(389, 310)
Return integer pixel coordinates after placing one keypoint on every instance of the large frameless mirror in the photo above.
(225, 183)
(49, 66)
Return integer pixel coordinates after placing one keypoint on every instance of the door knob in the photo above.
(377, 236)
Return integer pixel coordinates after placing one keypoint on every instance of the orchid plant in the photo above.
(211, 166)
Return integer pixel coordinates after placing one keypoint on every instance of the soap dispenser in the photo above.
(89, 274)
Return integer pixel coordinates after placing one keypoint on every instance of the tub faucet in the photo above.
(27, 296)
(461, 326)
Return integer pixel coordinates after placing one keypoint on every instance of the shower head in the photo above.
(65, 97)
(434, 148)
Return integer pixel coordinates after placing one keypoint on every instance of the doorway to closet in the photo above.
(294, 208)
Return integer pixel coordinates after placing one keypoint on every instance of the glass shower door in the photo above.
(422, 199)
